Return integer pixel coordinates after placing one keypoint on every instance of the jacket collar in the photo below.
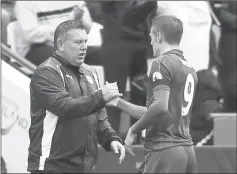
(66, 64)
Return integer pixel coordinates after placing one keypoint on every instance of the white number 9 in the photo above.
(188, 94)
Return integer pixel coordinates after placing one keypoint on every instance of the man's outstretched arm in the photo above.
(133, 110)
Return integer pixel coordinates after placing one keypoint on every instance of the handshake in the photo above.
(111, 94)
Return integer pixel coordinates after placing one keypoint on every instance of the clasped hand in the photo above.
(110, 91)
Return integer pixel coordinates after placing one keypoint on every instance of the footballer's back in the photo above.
(182, 83)
(183, 89)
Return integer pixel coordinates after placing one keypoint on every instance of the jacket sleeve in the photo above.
(47, 88)
(105, 132)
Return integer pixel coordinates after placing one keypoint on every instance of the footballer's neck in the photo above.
(167, 47)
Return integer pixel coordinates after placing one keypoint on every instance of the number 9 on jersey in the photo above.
(188, 94)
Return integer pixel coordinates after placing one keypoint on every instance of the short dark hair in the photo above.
(65, 26)
(170, 27)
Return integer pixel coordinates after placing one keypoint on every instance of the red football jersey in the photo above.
(171, 72)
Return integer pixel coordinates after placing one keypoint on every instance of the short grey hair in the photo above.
(65, 26)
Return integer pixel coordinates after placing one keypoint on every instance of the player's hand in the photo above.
(130, 138)
(118, 149)
(113, 102)
(110, 91)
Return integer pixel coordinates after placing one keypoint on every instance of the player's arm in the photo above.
(133, 110)
(155, 113)
(158, 110)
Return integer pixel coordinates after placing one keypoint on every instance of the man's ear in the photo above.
(159, 37)
(60, 45)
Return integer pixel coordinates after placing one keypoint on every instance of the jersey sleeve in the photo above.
(161, 74)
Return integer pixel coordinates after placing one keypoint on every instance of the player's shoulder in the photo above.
(167, 61)
(185, 63)
(185, 67)
(162, 59)
(177, 62)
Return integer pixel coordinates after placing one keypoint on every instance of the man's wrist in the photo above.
(112, 141)
(133, 129)
(116, 138)
(118, 105)
(100, 95)
(118, 101)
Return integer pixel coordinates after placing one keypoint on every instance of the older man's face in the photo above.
(75, 46)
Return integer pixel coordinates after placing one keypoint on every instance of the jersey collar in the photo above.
(177, 52)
